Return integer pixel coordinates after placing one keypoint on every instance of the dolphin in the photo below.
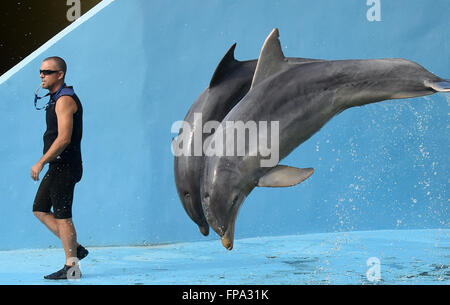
(302, 99)
(229, 84)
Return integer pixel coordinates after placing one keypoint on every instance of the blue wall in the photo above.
(139, 65)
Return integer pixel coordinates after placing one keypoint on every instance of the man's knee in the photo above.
(40, 215)
(64, 221)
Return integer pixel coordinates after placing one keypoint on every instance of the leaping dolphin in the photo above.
(229, 84)
(302, 99)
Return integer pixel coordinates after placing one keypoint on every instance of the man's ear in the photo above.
(61, 75)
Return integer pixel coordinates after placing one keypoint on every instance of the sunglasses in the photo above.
(47, 72)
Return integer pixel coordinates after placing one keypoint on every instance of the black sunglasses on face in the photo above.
(47, 72)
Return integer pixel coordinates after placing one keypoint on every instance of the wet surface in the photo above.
(404, 256)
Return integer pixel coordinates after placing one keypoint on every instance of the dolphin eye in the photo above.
(206, 196)
(187, 195)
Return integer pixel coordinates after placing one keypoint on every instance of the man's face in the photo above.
(51, 79)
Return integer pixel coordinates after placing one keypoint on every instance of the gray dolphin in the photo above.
(302, 99)
(229, 84)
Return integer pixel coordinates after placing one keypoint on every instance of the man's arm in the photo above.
(65, 108)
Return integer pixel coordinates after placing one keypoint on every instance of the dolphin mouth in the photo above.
(204, 229)
(228, 238)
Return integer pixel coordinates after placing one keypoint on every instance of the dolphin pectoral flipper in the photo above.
(284, 176)
(443, 86)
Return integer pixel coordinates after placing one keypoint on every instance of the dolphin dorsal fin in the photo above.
(224, 66)
(270, 59)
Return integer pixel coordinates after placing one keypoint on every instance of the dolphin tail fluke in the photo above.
(284, 176)
(443, 86)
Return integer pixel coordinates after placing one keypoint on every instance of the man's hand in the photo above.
(35, 170)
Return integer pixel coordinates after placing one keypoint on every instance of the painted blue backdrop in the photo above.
(139, 65)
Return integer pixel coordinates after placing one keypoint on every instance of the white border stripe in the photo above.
(55, 39)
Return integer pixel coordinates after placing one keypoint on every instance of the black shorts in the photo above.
(56, 189)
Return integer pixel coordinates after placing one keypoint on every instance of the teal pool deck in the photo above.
(404, 256)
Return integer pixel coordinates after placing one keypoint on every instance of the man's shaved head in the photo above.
(60, 63)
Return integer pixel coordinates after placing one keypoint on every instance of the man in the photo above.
(62, 151)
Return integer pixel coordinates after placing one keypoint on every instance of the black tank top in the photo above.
(72, 153)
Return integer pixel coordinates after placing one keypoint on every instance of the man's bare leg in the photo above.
(64, 229)
(68, 237)
(51, 223)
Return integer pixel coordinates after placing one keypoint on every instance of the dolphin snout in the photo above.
(228, 237)
(227, 243)
(220, 215)
(204, 230)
